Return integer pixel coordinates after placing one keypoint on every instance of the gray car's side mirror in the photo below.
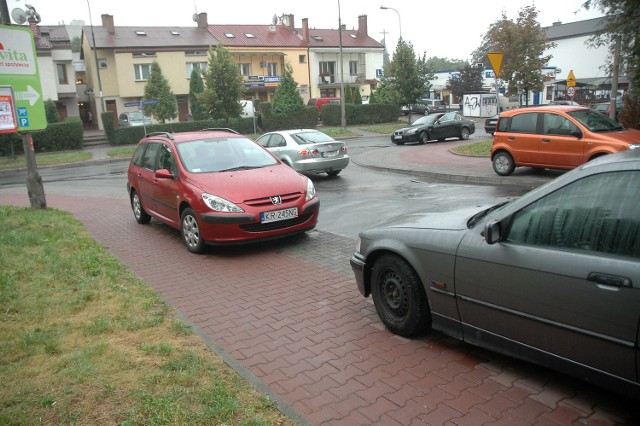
(492, 232)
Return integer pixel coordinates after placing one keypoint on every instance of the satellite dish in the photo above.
(195, 17)
(32, 14)
(19, 16)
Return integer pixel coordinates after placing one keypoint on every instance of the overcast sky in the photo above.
(443, 28)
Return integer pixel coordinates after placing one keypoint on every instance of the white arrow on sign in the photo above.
(30, 95)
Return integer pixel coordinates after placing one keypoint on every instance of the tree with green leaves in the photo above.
(440, 64)
(76, 44)
(408, 76)
(157, 87)
(196, 86)
(469, 80)
(622, 25)
(286, 98)
(51, 111)
(357, 97)
(522, 43)
(223, 85)
(382, 93)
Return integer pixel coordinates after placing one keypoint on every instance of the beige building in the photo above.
(118, 59)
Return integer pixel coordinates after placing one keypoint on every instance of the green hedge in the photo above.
(307, 118)
(359, 114)
(56, 137)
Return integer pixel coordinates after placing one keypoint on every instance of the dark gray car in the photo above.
(552, 277)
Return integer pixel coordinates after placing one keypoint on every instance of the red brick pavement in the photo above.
(289, 316)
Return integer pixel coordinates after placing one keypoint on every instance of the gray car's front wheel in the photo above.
(190, 231)
(399, 297)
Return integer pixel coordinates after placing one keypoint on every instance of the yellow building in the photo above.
(118, 59)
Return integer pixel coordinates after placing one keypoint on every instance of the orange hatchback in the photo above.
(556, 137)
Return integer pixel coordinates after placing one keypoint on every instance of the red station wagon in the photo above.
(217, 186)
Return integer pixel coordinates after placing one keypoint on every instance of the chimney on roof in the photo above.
(33, 26)
(290, 22)
(362, 25)
(202, 20)
(107, 22)
(305, 30)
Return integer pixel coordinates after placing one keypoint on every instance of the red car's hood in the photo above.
(240, 185)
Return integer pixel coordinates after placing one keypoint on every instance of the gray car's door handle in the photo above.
(609, 280)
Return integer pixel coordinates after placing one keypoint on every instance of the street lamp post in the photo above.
(399, 21)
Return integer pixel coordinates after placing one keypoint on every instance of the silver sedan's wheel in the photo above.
(399, 297)
(190, 231)
(464, 134)
(138, 211)
(503, 163)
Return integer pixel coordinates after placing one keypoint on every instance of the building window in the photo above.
(272, 68)
(327, 72)
(245, 69)
(62, 74)
(201, 66)
(302, 59)
(141, 71)
(353, 67)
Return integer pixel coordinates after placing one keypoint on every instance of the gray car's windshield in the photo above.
(595, 121)
(136, 116)
(221, 154)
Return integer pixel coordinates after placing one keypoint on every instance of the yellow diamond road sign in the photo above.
(495, 58)
(571, 79)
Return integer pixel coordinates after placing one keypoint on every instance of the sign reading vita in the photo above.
(19, 69)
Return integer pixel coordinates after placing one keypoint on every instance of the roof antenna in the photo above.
(195, 15)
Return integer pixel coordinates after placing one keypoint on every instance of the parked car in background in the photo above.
(428, 106)
(307, 150)
(556, 137)
(605, 108)
(320, 102)
(438, 127)
(131, 119)
(551, 277)
(564, 102)
(490, 124)
(218, 187)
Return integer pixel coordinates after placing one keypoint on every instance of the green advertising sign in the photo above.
(19, 69)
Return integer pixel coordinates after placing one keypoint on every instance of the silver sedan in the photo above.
(307, 151)
(552, 277)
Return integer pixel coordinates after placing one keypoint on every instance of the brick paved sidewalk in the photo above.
(288, 316)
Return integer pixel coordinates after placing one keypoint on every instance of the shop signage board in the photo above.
(19, 70)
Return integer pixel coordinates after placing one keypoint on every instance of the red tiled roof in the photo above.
(283, 36)
(350, 39)
(128, 37)
(263, 36)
